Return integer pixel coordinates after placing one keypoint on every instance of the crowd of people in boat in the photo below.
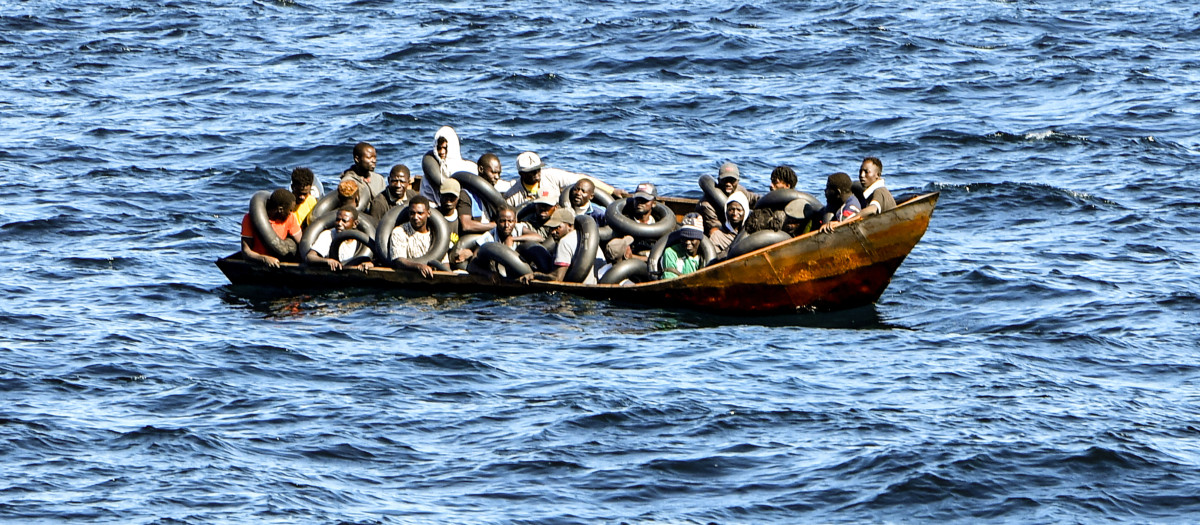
(548, 224)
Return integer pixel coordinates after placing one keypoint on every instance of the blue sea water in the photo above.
(1034, 359)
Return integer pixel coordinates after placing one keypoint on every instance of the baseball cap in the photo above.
(529, 161)
(728, 170)
(547, 199)
(691, 227)
(647, 191)
(451, 186)
(559, 217)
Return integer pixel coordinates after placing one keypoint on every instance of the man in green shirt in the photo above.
(683, 257)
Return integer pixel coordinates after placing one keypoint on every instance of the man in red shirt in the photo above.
(283, 221)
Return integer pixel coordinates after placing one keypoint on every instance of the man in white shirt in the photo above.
(347, 219)
(537, 180)
(411, 241)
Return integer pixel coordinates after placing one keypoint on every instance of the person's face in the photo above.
(449, 202)
(366, 161)
(692, 246)
(490, 171)
(581, 194)
(777, 184)
(398, 183)
(443, 149)
(418, 215)
(345, 221)
(643, 206)
(301, 192)
(529, 178)
(278, 213)
(735, 212)
(868, 173)
(727, 185)
(561, 231)
(790, 226)
(506, 222)
(544, 212)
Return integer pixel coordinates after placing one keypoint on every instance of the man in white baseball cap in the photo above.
(538, 180)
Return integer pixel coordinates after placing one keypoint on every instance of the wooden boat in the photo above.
(847, 268)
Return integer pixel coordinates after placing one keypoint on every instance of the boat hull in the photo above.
(848, 268)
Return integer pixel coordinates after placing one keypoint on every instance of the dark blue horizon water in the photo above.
(1034, 359)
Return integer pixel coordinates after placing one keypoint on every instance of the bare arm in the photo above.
(409, 264)
(255, 256)
(470, 225)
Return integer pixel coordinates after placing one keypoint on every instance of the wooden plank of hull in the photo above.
(850, 267)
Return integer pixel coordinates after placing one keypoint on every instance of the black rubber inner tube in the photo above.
(585, 251)
(281, 248)
(357, 235)
(502, 255)
(483, 192)
(664, 220)
(319, 224)
(707, 252)
(714, 195)
(539, 257)
(755, 241)
(779, 199)
(439, 240)
(598, 197)
(633, 269)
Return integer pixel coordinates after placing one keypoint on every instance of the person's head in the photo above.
(443, 147)
(794, 219)
(348, 193)
(581, 194)
(302, 183)
(418, 213)
(529, 167)
(398, 180)
(364, 156)
(783, 177)
(506, 220)
(761, 219)
(691, 231)
(870, 171)
(560, 223)
(727, 178)
(735, 209)
(448, 196)
(347, 218)
(280, 204)
(837, 188)
(543, 207)
(643, 199)
(489, 168)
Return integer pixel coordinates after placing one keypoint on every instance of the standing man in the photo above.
(841, 205)
(302, 185)
(398, 192)
(363, 173)
(876, 197)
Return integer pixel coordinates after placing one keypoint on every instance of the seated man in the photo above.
(877, 198)
(581, 201)
(507, 230)
(456, 206)
(283, 221)
(347, 219)
(763, 219)
(543, 208)
(735, 214)
(397, 193)
(840, 203)
(727, 182)
(411, 241)
(362, 172)
(683, 257)
(539, 181)
(302, 186)
(642, 211)
(562, 229)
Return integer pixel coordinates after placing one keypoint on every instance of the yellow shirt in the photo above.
(304, 209)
